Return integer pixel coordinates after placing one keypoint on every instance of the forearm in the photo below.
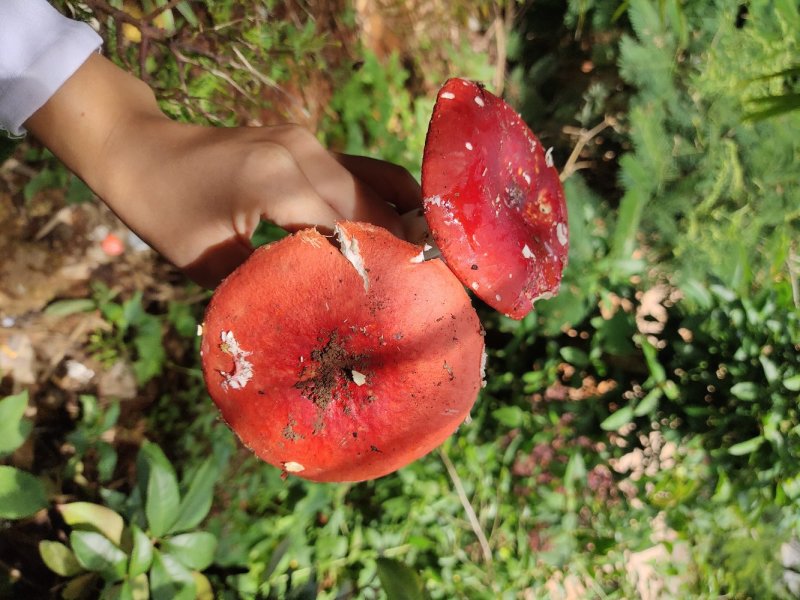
(84, 120)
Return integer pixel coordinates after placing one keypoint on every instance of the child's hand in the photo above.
(196, 194)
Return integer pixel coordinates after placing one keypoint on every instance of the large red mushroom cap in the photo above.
(342, 364)
(493, 199)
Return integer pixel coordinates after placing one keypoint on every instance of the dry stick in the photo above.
(584, 137)
(462, 496)
(500, 27)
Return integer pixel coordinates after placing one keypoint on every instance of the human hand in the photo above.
(196, 194)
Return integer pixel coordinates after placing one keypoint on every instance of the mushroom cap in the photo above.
(342, 365)
(493, 199)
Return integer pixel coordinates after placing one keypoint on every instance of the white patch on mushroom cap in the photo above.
(349, 248)
(548, 157)
(418, 258)
(484, 358)
(479, 101)
(561, 234)
(358, 378)
(447, 95)
(527, 178)
(475, 285)
(293, 467)
(200, 329)
(498, 297)
(242, 368)
(468, 146)
(526, 252)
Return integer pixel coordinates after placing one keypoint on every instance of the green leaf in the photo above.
(649, 403)
(194, 550)
(14, 429)
(76, 588)
(197, 502)
(59, 558)
(140, 587)
(745, 390)
(792, 383)
(770, 370)
(204, 591)
(510, 416)
(617, 419)
(746, 447)
(141, 552)
(97, 553)
(169, 579)
(162, 495)
(574, 356)
(399, 581)
(93, 517)
(21, 494)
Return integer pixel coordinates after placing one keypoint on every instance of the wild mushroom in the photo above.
(493, 199)
(345, 363)
(342, 364)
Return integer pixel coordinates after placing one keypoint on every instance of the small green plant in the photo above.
(134, 334)
(87, 439)
(155, 551)
(21, 494)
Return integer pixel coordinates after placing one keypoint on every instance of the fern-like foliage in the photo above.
(717, 192)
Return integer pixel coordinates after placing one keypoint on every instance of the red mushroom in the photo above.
(342, 364)
(493, 199)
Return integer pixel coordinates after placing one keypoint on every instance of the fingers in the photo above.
(344, 192)
(391, 182)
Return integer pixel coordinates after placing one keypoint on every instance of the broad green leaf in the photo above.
(197, 502)
(194, 550)
(97, 553)
(141, 552)
(770, 370)
(169, 579)
(140, 587)
(618, 419)
(63, 308)
(163, 498)
(745, 390)
(135, 588)
(203, 588)
(746, 447)
(94, 517)
(76, 588)
(792, 383)
(59, 558)
(14, 429)
(510, 416)
(399, 581)
(21, 494)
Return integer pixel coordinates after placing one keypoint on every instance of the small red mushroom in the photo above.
(493, 199)
(342, 364)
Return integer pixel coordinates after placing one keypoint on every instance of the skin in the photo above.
(195, 193)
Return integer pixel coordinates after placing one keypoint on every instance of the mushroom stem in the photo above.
(416, 231)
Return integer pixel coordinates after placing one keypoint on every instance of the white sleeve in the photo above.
(39, 50)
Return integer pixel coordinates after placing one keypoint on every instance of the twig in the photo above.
(584, 137)
(462, 496)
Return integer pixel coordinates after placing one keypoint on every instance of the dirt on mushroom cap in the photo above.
(493, 199)
(347, 382)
